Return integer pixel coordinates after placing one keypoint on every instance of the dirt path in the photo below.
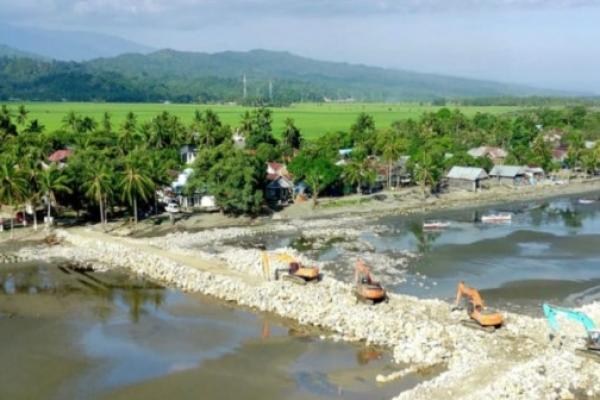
(212, 266)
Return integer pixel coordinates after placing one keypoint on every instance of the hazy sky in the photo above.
(548, 43)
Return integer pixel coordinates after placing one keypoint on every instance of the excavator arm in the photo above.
(361, 271)
(285, 257)
(470, 293)
(593, 334)
(476, 311)
(551, 312)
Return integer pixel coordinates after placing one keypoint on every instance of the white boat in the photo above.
(435, 224)
(496, 218)
(586, 201)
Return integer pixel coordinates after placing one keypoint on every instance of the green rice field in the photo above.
(313, 119)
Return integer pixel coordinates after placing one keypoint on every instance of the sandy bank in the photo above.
(411, 200)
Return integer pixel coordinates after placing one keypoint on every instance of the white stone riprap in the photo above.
(516, 362)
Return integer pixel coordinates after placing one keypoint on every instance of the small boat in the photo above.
(496, 218)
(435, 224)
(586, 201)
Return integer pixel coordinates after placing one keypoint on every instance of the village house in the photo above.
(344, 157)
(239, 141)
(508, 175)
(60, 157)
(466, 178)
(198, 199)
(397, 176)
(559, 155)
(554, 137)
(280, 186)
(496, 154)
(535, 174)
(188, 154)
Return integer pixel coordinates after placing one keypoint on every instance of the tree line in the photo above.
(115, 171)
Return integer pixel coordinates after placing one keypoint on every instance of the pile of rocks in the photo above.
(9, 258)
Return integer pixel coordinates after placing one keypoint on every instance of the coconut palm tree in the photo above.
(13, 187)
(98, 185)
(391, 152)
(53, 181)
(22, 115)
(31, 172)
(128, 135)
(209, 128)
(359, 172)
(135, 184)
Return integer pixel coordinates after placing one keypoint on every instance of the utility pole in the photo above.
(245, 86)
(271, 91)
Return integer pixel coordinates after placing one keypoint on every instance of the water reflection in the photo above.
(65, 280)
(141, 341)
(546, 240)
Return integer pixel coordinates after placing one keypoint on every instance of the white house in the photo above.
(188, 154)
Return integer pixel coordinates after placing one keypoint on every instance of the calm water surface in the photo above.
(65, 334)
(549, 252)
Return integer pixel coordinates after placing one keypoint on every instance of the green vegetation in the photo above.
(313, 119)
(115, 169)
(273, 78)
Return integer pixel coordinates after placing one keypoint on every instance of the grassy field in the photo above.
(312, 119)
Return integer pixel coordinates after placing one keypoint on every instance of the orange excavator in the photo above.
(480, 318)
(295, 271)
(367, 290)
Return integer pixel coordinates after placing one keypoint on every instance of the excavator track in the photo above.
(363, 300)
(475, 325)
(294, 279)
(591, 354)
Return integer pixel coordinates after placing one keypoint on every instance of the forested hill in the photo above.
(275, 77)
(7, 51)
(337, 80)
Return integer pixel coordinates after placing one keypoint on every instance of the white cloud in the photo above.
(170, 12)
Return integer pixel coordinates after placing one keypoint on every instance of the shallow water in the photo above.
(80, 335)
(549, 252)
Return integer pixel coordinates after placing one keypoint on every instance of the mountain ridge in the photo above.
(274, 77)
(67, 45)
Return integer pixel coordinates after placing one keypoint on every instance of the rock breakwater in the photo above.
(515, 362)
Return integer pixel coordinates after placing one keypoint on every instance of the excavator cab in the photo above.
(593, 340)
(366, 289)
(295, 272)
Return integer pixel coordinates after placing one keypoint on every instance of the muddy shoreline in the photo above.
(402, 202)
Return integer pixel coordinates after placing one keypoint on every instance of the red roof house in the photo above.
(60, 155)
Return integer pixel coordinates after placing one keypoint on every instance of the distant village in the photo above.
(283, 189)
(95, 170)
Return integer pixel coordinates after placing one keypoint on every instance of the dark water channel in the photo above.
(73, 335)
(549, 252)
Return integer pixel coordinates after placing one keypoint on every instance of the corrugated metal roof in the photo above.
(507, 171)
(467, 173)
